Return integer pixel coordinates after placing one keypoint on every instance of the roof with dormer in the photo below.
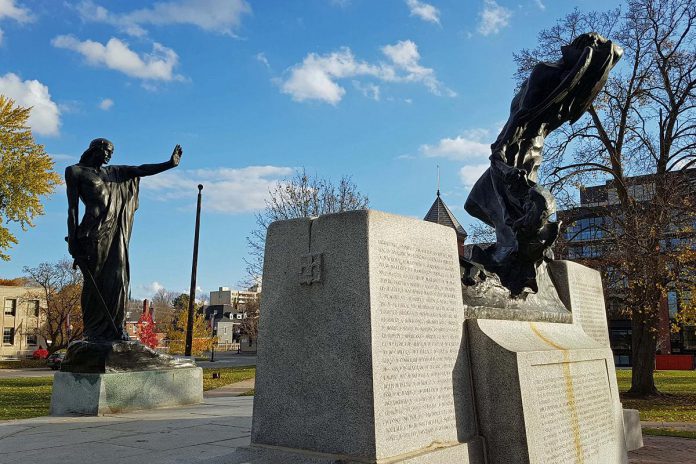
(439, 213)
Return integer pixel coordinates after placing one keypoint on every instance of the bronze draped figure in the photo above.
(508, 197)
(99, 245)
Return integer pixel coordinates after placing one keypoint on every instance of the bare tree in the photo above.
(164, 308)
(300, 196)
(643, 122)
(61, 286)
(250, 323)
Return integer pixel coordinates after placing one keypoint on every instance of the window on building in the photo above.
(8, 336)
(10, 307)
(591, 228)
(689, 337)
(672, 303)
(620, 339)
(34, 308)
(32, 339)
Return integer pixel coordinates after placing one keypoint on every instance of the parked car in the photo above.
(54, 360)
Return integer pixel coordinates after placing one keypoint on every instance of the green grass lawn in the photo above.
(25, 397)
(228, 375)
(678, 404)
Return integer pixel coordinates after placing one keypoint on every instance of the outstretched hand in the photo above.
(176, 156)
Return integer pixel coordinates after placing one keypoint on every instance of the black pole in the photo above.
(194, 266)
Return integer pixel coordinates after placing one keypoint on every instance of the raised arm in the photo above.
(152, 169)
(72, 187)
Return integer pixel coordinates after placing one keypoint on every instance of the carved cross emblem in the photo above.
(310, 268)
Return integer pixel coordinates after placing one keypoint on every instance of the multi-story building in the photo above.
(22, 309)
(236, 299)
(227, 309)
(586, 237)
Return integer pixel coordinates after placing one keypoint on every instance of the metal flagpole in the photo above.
(194, 266)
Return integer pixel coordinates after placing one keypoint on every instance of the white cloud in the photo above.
(493, 18)
(62, 157)
(471, 145)
(316, 77)
(261, 58)
(226, 190)
(44, 118)
(116, 55)
(470, 174)
(10, 9)
(369, 89)
(424, 11)
(220, 16)
(147, 291)
(106, 104)
(540, 5)
(404, 54)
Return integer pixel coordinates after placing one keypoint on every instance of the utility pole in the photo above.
(194, 266)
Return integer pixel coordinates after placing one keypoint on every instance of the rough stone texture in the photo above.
(580, 290)
(97, 394)
(546, 394)
(632, 430)
(361, 351)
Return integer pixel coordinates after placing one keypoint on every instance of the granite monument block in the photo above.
(361, 354)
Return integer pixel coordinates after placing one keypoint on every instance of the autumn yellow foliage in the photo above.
(202, 336)
(26, 173)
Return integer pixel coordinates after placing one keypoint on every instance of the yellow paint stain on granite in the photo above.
(570, 393)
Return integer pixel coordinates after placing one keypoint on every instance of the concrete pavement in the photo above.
(29, 372)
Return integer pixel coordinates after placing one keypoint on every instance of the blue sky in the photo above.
(383, 91)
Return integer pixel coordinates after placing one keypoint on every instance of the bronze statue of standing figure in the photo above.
(507, 197)
(99, 245)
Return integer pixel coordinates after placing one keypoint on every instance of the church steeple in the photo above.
(439, 213)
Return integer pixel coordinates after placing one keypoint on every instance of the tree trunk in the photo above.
(643, 346)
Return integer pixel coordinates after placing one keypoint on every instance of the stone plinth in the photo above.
(546, 394)
(97, 394)
(580, 289)
(361, 355)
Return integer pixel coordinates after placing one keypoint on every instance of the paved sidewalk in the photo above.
(664, 450)
(234, 389)
(178, 435)
(206, 433)
(28, 372)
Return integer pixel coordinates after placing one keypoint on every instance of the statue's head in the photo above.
(100, 150)
(600, 46)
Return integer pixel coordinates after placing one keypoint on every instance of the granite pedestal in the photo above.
(546, 392)
(361, 355)
(98, 394)
(369, 351)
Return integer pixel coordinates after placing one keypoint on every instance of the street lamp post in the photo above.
(212, 336)
(194, 266)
